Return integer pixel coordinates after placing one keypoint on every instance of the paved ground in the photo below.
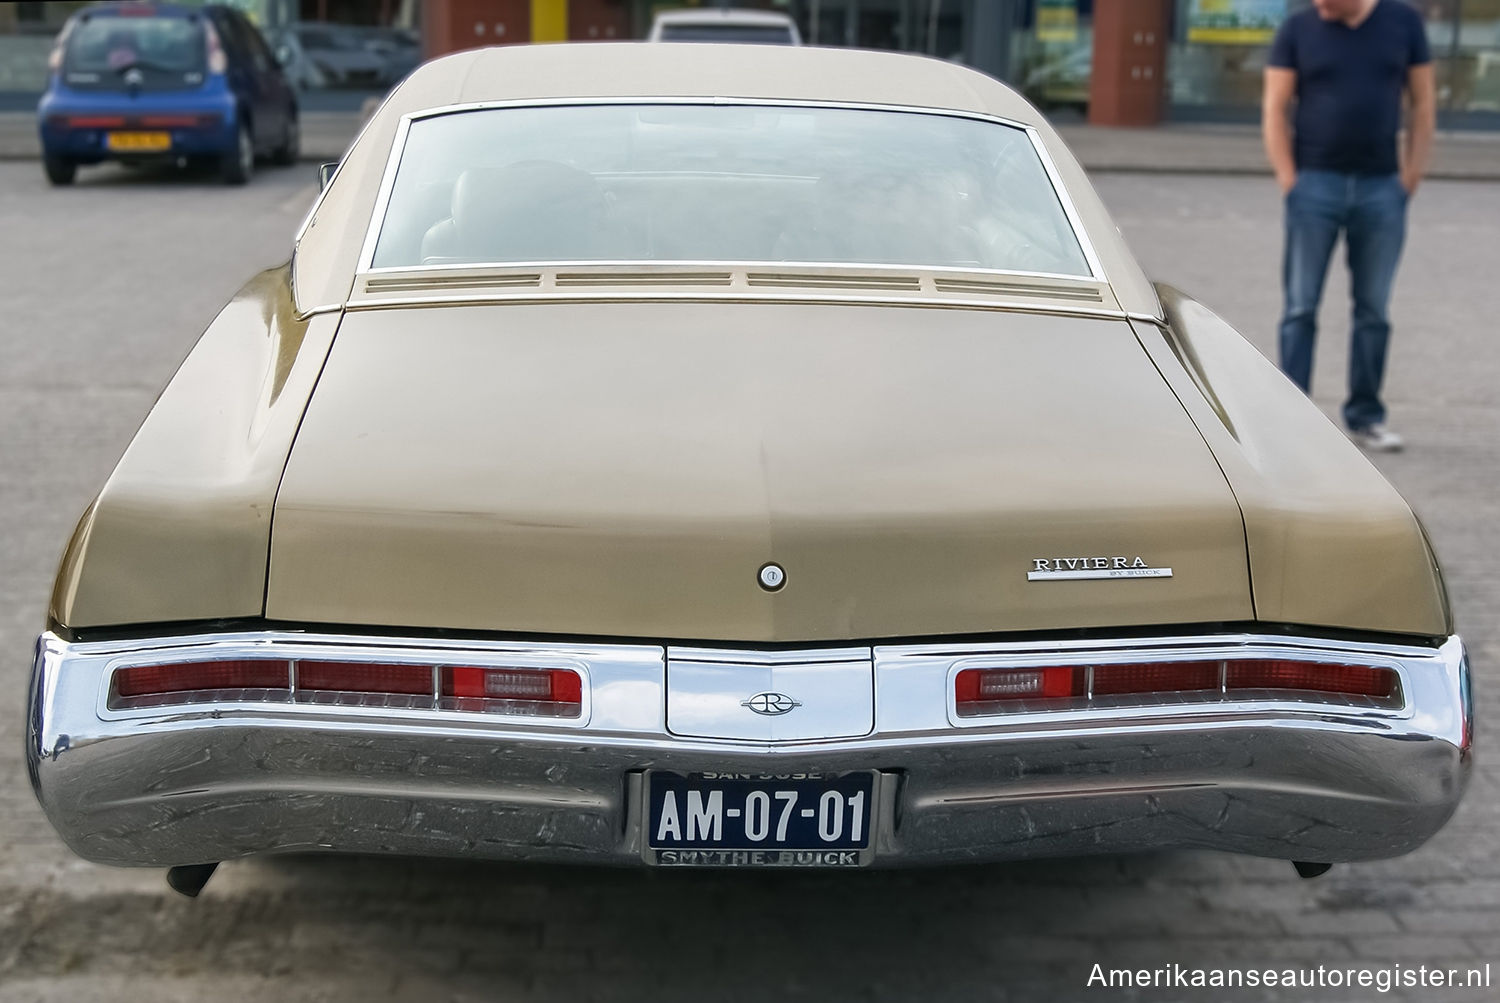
(1195, 148)
(106, 287)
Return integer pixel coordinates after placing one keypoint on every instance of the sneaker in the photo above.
(1377, 439)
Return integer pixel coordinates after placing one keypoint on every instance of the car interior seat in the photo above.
(531, 210)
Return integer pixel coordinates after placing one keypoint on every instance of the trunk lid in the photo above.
(626, 469)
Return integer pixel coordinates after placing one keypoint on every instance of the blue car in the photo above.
(135, 82)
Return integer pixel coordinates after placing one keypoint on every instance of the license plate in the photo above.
(739, 820)
(137, 142)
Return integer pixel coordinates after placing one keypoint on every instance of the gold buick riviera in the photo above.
(735, 456)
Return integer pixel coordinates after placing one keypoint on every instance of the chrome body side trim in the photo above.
(316, 310)
(1278, 777)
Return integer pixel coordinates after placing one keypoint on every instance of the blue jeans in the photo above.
(1371, 212)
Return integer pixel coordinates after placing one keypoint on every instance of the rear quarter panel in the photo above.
(1331, 542)
(181, 530)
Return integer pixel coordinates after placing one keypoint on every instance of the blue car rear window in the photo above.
(114, 45)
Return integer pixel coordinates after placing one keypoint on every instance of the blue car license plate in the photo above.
(733, 820)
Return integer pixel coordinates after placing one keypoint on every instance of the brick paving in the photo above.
(88, 335)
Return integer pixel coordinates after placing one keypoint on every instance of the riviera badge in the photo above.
(1062, 569)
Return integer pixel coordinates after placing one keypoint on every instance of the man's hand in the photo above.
(1421, 124)
(1280, 89)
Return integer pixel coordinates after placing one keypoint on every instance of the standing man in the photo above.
(1347, 63)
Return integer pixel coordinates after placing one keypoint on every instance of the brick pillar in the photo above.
(1128, 80)
(598, 21)
(452, 25)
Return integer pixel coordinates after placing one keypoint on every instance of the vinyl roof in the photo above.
(685, 69)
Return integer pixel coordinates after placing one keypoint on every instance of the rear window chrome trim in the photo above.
(398, 145)
(813, 298)
(644, 265)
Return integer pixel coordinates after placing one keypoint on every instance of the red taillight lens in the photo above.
(388, 685)
(186, 677)
(560, 691)
(364, 677)
(984, 691)
(980, 686)
(96, 121)
(1348, 680)
(1155, 677)
(171, 121)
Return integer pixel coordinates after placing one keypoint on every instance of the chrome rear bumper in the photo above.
(1278, 778)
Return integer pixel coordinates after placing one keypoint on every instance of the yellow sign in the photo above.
(549, 20)
(1234, 22)
(1057, 21)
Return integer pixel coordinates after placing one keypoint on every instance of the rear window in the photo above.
(106, 48)
(699, 182)
(751, 33)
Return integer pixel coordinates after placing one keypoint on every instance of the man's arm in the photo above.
(1275, 129)
(1422, 92)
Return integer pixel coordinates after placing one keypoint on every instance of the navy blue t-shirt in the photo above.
(1349, 85)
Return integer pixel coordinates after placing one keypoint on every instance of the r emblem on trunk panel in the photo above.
(771, 704)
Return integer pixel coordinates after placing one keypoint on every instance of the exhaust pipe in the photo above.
(189, 879)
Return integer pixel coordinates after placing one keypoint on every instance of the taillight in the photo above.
(557, 692)
(180, 682)
(217, 63)
(390, 685)
(364, 677)
(1156, 677)
(1317, 677)
(982, 691)
(177, 121)
(980, 686)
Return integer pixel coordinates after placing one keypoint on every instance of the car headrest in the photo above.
(532, 210)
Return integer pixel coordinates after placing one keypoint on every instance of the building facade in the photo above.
(1117, 61)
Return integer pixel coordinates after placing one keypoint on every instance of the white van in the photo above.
(723, 24)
